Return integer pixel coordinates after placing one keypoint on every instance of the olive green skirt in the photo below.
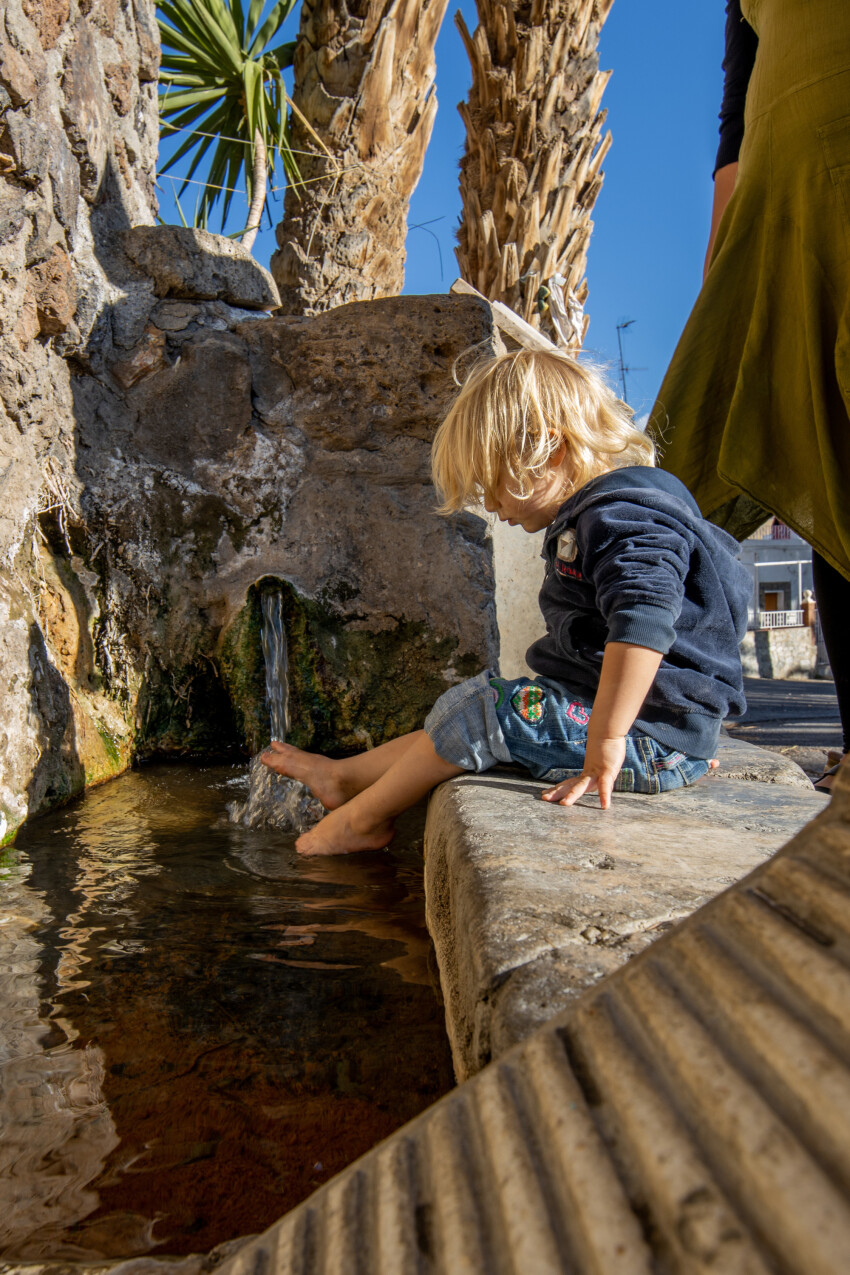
(753, 412)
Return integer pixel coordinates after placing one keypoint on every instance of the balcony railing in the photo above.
(772, 531)
(780, 619)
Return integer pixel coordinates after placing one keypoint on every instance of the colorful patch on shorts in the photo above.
(498, 688)
(578, 713)
(530, 703)
(669, 762)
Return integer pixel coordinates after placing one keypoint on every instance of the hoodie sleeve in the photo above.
(636, 561)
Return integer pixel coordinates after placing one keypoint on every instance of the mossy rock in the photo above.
(349, 687)
(187, 712)
(9, 826)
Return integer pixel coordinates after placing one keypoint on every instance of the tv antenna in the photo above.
(624, 367)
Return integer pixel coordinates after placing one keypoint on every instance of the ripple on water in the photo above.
(197, 1027)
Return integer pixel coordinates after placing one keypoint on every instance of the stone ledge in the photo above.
(530, 904)
(195, 265)
(740, 760)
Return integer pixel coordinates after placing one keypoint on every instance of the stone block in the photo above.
(120, 81)
(196, 408)
(194, 265)
(65, 180)
(175, 316)
(146, 358)
(55, 291)
(27, 146)
(530, 904)
(86, 112)
(49, 17)
(16, 76)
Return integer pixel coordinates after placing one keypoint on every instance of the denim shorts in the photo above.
(543, 726)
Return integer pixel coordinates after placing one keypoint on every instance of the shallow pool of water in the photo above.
(197, 1027)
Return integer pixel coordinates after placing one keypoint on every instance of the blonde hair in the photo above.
(513, 414)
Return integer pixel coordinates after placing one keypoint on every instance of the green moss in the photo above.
(347, 686)
(243, 672)
(110, 747)
(186, 711)
(7, 859)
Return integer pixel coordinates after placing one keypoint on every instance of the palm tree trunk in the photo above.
(534, 148)
(364, 79)
(258, 186)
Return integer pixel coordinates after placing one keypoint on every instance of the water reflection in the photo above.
(197, 1027)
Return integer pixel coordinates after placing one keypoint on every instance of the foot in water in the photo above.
(338, 833)
(319, 774)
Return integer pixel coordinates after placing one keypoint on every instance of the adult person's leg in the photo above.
(832, 594)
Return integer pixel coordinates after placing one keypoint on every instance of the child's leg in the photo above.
(366, 821)
(335, 781)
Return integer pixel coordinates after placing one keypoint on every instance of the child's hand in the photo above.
(603, 762)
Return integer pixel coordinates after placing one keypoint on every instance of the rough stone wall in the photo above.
(221, 453)
(78, 138)
(165, 454)
(780, 653)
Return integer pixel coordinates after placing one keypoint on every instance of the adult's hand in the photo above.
(724, 184)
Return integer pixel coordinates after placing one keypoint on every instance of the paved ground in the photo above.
(796, 718)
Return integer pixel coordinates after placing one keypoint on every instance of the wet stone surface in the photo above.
(198, 1028)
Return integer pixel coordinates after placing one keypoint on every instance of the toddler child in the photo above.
(644, 603)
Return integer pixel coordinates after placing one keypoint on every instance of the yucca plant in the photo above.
(224, 85)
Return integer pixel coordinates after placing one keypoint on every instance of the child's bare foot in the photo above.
(316, 772)
(337, 834)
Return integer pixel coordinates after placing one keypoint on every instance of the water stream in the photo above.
(197, 1026)
(273, 801)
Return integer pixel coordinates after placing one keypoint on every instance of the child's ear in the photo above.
(559, 455)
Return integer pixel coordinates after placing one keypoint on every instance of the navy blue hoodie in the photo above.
(629, 558)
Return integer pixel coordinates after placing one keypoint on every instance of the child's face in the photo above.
(538, 509)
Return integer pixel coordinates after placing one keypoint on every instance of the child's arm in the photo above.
(628, 672)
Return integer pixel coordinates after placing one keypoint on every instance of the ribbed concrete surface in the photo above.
(690, 1114)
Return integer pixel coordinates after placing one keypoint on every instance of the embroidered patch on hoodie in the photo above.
(530, 703)
(566, 554)
(567, 550)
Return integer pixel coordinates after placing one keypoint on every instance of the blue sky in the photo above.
(652, 216)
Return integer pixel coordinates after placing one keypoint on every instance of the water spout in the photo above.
(276, 657)
(275, 801)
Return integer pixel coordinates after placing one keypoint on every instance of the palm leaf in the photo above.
(283, 53)
(239, 20)
(271, 26)
(215, 79)
(184, 31)
(255, 9)
(177, 101)
(229, 53)
(200, 142)
(231, 181)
